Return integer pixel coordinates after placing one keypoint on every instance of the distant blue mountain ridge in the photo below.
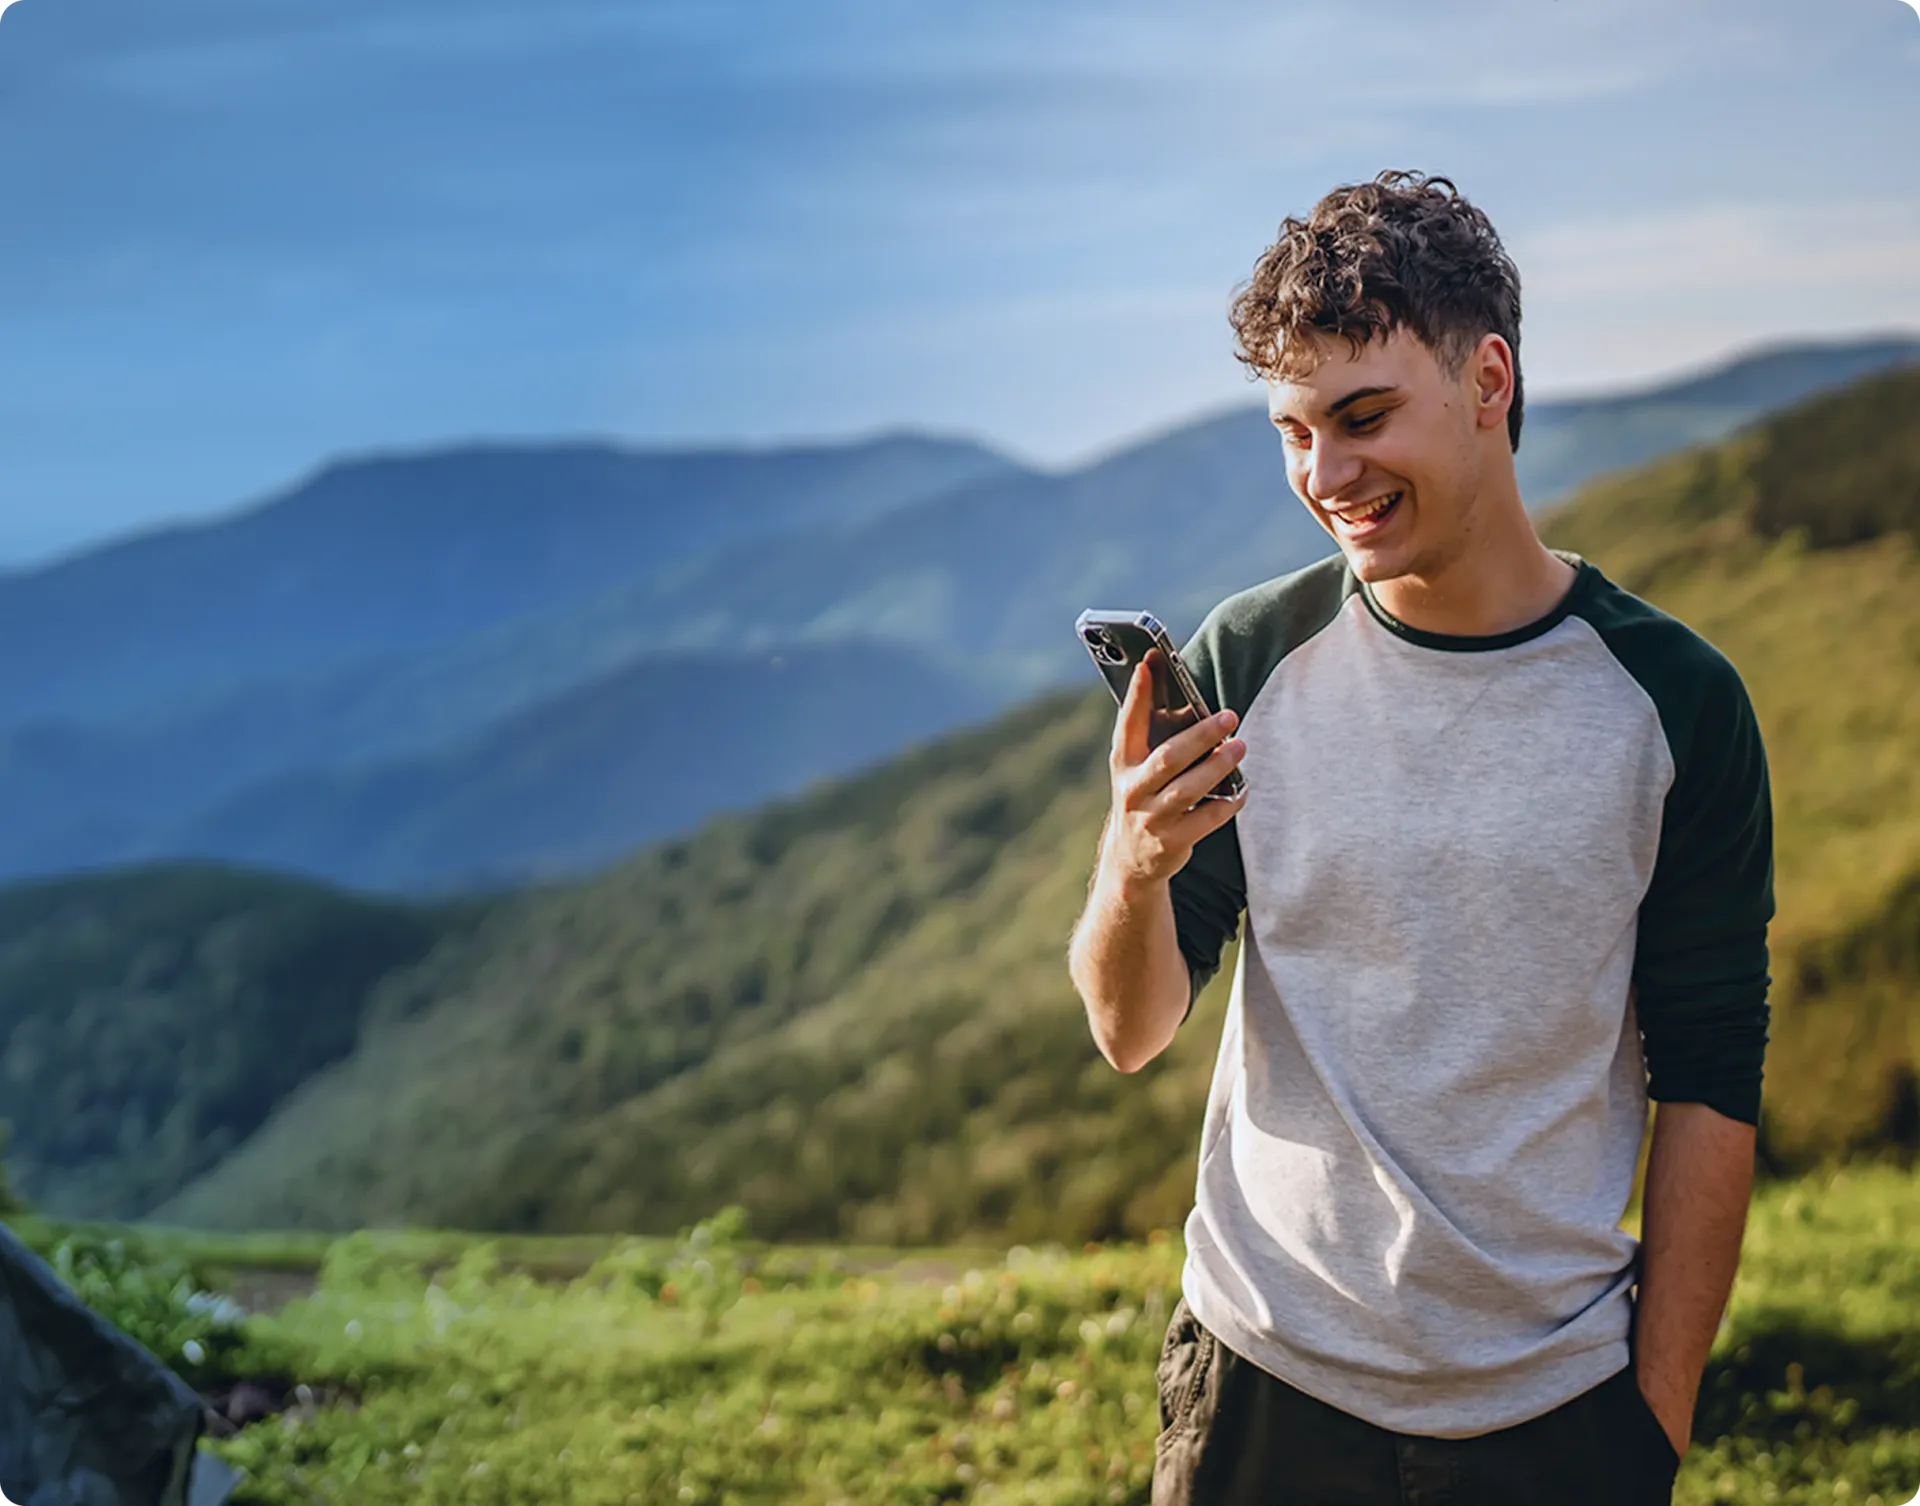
(492, 663)
(375, 559)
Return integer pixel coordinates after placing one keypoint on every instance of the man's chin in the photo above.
(1376, 566)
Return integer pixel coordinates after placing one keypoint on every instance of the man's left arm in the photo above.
(1693, 1216)
(1701, 983)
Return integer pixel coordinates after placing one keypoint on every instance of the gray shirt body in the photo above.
(1473, 871)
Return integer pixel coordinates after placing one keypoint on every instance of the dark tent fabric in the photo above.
(88, 1417)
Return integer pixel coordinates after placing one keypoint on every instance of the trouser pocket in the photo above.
(1190, 1378)
(1645, 1437)
(1186, 1357)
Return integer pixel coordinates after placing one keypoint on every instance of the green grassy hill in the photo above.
(851, 1012)
(1794, 548)
(152, 1020)
(1570, 441)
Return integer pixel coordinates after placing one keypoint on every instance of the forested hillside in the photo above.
(152, 1020)
(818, 1008)
(851, 1012)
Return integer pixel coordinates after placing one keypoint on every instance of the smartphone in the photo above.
(1118, 641)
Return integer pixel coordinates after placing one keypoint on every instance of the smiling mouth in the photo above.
(1363, 520)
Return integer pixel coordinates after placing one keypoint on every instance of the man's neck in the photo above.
(1496, 589)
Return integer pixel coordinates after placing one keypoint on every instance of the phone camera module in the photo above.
(1104, 648)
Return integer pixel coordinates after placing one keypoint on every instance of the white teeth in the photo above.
(1373, 510)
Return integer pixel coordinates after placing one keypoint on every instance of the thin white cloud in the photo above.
(1620, 299)
(210, 63)
(1804, 248)
(520, 31)
(186, 73)
(1292, 57)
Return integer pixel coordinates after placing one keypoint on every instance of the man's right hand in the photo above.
(1158, 814)
(1125, 955)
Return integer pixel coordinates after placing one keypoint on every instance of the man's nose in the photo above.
(1330, 469)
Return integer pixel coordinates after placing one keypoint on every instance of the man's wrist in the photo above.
(1131, 890)
(1672, 1401)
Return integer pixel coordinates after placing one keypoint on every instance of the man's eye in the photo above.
(1372, 420)
(1293, 438)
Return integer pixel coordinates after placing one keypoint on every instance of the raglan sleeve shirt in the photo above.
(1700, 973)
(1498, 893)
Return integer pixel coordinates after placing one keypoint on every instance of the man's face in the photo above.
(1385, 449)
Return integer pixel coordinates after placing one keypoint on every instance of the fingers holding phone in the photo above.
(1142, 741)
(1161, 805)
(1192, 786)
(1174, 762)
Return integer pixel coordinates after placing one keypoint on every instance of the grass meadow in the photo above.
(714, 1371)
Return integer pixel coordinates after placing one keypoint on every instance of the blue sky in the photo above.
(243, 236)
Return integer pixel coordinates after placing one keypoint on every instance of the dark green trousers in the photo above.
(1234, 1435)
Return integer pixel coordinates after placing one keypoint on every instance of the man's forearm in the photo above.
(1125, 960)
(1125, 956)
(1694, 1213)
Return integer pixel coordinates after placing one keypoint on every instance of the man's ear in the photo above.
(1492, 367)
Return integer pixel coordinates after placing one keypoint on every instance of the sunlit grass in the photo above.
(1026, 1376)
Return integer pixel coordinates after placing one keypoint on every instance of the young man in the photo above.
(1505, 854)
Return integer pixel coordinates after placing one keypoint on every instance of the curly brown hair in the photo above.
(1406, 250)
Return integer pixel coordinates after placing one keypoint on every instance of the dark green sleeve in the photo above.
(1211, 890)
(1700, 969)
(1231, 656)
(1700, 962)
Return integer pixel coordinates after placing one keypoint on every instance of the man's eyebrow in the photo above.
(1359, 394)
